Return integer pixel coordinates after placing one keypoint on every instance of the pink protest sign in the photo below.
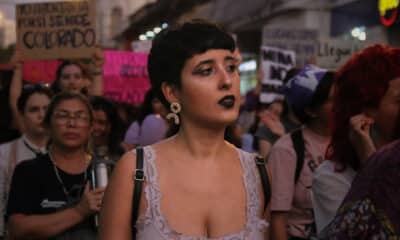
(40, 71)
(125, 76)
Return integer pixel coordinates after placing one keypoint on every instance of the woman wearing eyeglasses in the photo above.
(50, 197)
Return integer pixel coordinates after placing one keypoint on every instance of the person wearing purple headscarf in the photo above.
(308, 94)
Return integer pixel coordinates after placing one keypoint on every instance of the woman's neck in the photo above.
(319, 127)
(100, 141)
(201, 142)
(69, 160)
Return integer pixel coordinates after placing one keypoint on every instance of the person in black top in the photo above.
(50, 196)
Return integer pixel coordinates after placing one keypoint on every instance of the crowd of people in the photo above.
(197, 162)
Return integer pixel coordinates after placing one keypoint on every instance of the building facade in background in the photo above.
(322, 32)
(113, 16)
(249, 19)
(7, 32)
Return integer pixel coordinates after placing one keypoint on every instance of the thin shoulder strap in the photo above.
(299, 147)
(139, 179)
(260, 162)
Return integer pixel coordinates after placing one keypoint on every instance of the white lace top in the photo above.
(153, 225)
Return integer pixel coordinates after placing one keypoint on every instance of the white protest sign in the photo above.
(333, 53)
(302, 41)
(275, 63)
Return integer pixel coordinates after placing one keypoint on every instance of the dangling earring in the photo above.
(175, 108)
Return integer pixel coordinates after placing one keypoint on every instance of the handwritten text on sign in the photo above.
(301, 41)
(125, 76)
(56, 30)
(275, 63)
(334, 53)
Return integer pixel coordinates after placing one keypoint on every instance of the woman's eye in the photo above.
(34, 109)
(232, 68)
(82, 117)
(204, 72)
(61, 116)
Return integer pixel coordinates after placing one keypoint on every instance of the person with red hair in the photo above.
(365, 108)
(370, 210)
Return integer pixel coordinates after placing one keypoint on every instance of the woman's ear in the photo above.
(170, 92)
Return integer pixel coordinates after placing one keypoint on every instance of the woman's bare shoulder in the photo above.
(126, 164)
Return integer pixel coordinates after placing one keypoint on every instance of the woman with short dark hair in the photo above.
(197, 185)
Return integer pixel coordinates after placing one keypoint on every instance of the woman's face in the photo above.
(101, 127)
(385, 115)
(70, 124)
(210, 92)
(34, 112)
(71, 78)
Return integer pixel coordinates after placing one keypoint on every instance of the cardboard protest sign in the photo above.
(334, 53)
(302, 41)
(125, 76)
(275, 63)
(40, 71)
(56, 29)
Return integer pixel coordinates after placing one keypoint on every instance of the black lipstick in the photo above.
(227, 101)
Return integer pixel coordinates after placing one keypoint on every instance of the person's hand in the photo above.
(272, 122)
(91, 201)
(359, 135)
(98, 58)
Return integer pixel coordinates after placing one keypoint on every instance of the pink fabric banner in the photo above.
(40, 71)
(125, 76)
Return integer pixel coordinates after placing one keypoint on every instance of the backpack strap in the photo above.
(299, 147)
(138, 179)
(260, 162)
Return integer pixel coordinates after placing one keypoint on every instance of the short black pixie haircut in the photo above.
(173, 46)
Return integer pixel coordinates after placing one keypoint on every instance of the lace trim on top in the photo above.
(153, 214)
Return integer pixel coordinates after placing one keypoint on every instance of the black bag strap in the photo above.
(260, 162)
(299, 147)
(138, 179)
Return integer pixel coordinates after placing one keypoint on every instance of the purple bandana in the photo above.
(300, 89)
